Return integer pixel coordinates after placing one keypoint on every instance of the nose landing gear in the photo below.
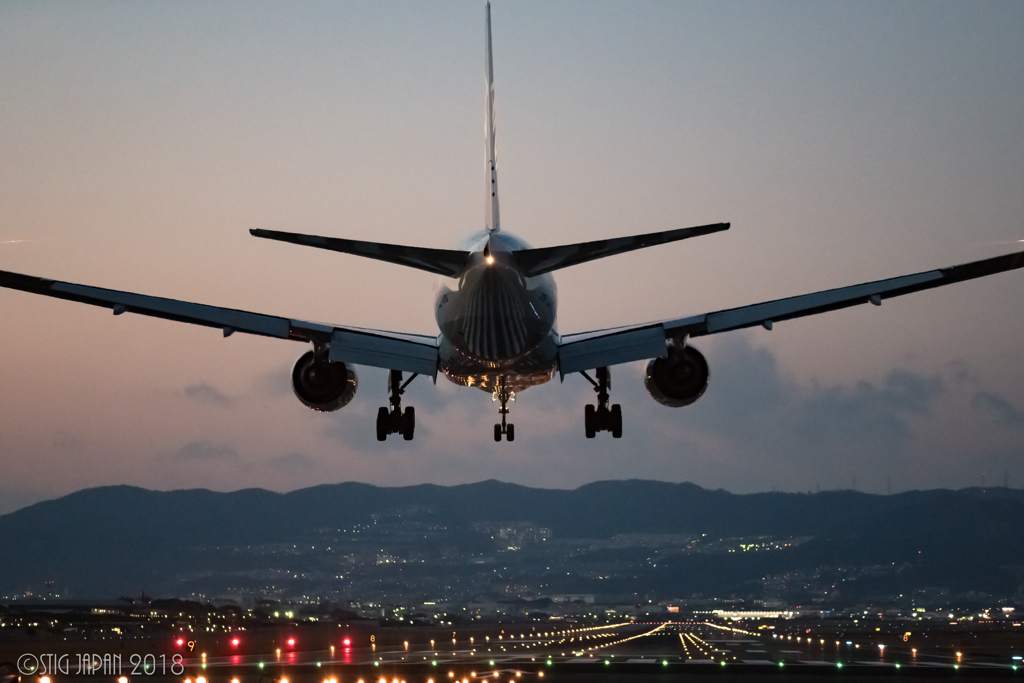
(503, 394)
(394, 421)
(602, 418)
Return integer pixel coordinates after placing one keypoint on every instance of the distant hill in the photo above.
(118, 540)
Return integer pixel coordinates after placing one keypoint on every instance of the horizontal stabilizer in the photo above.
(445, 262)
(534, 262)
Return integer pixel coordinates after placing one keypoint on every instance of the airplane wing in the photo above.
(601, 348)
(376, 348)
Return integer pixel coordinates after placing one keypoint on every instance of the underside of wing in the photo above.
(641, 342)
(376, 348)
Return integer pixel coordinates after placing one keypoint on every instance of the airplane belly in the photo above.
(533, 368)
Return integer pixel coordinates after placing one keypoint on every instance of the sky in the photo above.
(845, 142)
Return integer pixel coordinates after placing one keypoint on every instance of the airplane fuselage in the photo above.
(496, 324)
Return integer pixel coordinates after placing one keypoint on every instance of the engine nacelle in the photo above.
(679, 379)
(322, 385)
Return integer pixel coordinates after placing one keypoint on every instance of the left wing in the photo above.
(377, 348)
(641, 342)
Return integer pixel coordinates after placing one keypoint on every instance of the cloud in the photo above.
(208, 394)
(997, 406)
(205, 451)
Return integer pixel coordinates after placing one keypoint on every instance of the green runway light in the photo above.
(839, 665)
(722, 663)
(261, 665)
(434, 663)
(897, 665)
(664, 662)
(549, 662)
(318, 663)
(492, 662)
(781, 664)
(376, 663)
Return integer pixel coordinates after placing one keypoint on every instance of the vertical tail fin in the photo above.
(491, 210)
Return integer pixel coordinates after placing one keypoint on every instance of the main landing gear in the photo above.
(394, 421)
(503, 394)
(601, 418)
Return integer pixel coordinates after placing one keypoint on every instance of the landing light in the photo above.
(490, 260)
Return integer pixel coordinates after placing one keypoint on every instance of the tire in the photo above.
(510, 433)
(382, 424)
(409, 423)
(616, 421)
(588, 421)
(497, 432)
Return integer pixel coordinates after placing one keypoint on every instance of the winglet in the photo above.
(491, 188)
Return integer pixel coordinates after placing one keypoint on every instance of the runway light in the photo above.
(122, 679)
(346, 642)
(291, 642)
(235, 641)
(839, 665)
(201, 679)
(181, 641)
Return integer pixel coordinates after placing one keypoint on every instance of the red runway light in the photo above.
(346, 642)
(291, 642)
(181, 641)
(235, 641)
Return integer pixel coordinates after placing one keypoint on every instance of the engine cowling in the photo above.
(678, 379)
(322, 385)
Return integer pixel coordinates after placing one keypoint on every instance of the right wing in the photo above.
(376, 348)
(642, 342)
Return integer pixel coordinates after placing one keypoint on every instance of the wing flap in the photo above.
(362, 348)
(611, 349)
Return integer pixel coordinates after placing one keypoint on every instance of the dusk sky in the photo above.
(844, 141)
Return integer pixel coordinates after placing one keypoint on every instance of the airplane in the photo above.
(496, 314)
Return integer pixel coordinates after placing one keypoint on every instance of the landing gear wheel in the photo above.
(497, 432)
(382, 423)
(510, 432)
(602, 417)
(392, 420)
(408, 423)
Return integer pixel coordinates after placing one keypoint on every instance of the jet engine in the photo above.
(678, 379)
(322, 385)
